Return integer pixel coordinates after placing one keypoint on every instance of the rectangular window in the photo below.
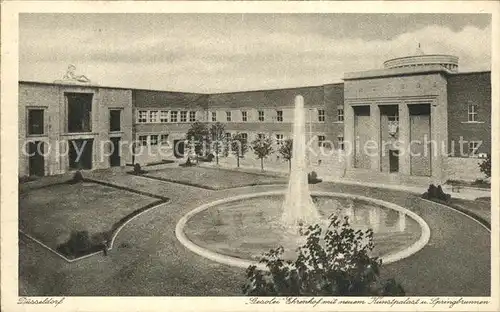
(228, 116)
(173, 116)
(214, 116)
(472, 113)
(143, 140)
(153, 116)
(228, 135)
(279, 139)
(279, 115)
(321, 115)
(244, 116)
(114, 120)
(321, 140)
(153, 140)
(79, 112)
(340, 113)
(183, 116)
(164, 116)
(261, 136)
(192, 116)
(244, 136)
(340, 142)
(473, 146)
(164, 139)
(261, 116)
(35, 121)
(142, 116)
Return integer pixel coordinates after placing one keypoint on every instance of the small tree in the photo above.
(239, 146)
(336, 263)
(485, 166)
(285, 151)
(262, 147)
(198, 137)
(217, 135)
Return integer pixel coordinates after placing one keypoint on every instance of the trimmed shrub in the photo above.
(485, 166)
(436, 193)
(138, 169)
(81, 243)
(312, 178)
(77, 245)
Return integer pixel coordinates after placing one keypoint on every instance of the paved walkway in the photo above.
(149, 261)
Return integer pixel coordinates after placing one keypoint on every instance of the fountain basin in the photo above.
(237, 230)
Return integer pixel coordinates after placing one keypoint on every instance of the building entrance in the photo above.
(393, 161)
(36, 158)
(114, 158)
(80, 154)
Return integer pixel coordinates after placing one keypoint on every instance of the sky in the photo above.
(212, 53)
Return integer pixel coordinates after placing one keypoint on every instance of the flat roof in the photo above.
(156, 90)
(99, 86)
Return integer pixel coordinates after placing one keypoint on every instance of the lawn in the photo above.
(51, 214)
(212, 179)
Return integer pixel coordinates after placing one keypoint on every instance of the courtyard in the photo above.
(148, 260)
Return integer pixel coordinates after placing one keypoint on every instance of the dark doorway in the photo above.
(179, 148)
(114, 158)
(80, 154)
(36, 158)
(393, 161)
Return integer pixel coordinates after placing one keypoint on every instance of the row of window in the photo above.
(279, 115)
(155, 116)
(153, 139)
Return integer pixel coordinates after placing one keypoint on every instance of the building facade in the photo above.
(416, 119)
(65, 126)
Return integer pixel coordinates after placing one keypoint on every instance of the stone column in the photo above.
(439, 130)
(349, 136)
(375, 151)
(404, 139)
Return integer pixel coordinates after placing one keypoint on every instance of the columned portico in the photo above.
(399, 121)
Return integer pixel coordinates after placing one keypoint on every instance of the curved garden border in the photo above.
(242, 263)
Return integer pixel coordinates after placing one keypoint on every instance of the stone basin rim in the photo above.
(243, 263)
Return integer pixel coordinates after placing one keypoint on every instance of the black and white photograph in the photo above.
(295, 159)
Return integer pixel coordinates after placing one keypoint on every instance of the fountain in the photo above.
(247, 225)
(298, 207)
